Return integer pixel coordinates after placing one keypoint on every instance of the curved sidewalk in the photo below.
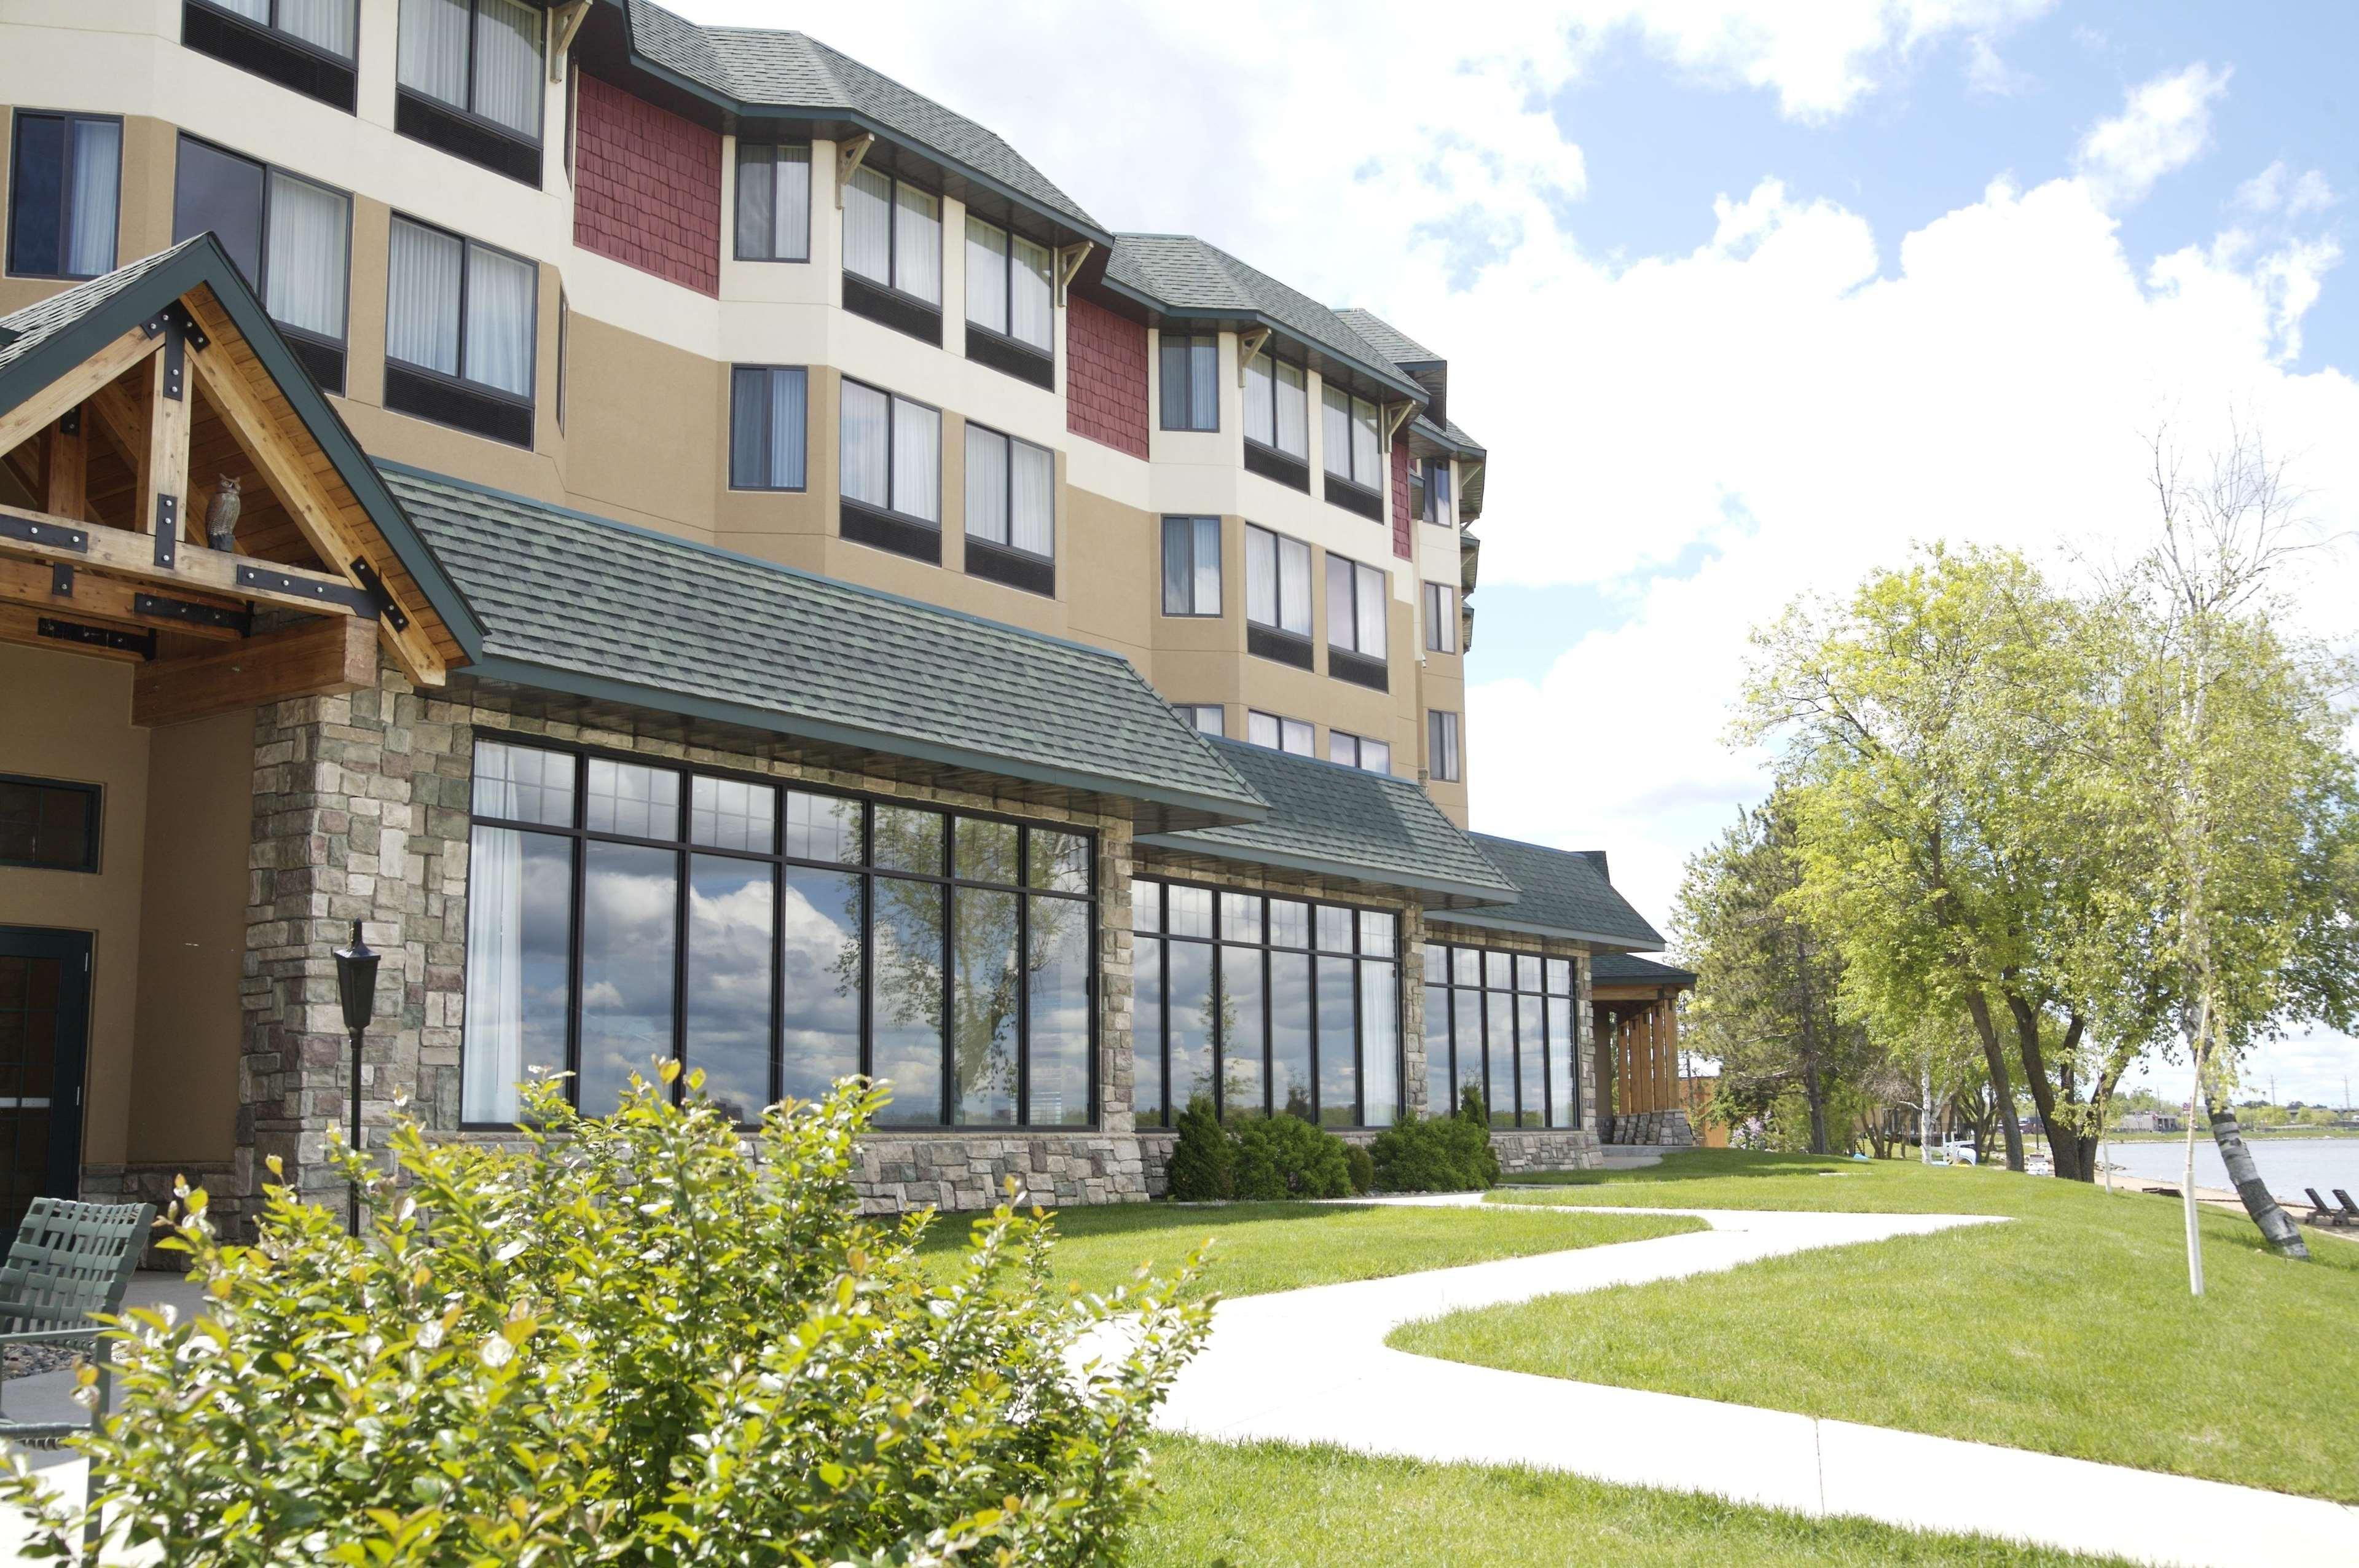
(1311, 1366)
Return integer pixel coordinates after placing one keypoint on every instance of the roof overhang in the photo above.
(1434, 892)
(1619, 941)
(1357, 374)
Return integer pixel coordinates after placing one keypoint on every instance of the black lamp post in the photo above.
(356, 988)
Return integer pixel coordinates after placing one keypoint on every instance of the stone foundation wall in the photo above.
(956, 1172)
(1665, 1129)
(154, 1185)
(1527, 1150)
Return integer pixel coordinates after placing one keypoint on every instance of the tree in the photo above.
(1766, 980)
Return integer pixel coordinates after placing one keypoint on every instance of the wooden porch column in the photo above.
(1672, 1080)
(65, 470)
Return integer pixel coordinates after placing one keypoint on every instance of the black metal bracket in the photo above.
(357, 599)
(194, 614)
(167, 529)
(56, 535)
(175, 317)
(69, 422)
(141, 643)
(388, 608)
(62, 580)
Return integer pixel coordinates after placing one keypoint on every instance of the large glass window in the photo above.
(892, 453)
(481, 57)
(1429, 490)
(1191, 382)
(1009, 289)
(1348, 439)
(1357, 605)
(1205, 716)
(288, 236)
(621, 913)
(1441, 618)
(328, 26)
(1502, 1022)
(64, 189)
(1277, 1006)
(893, 235)
(1442, 756)
(773, 202)
(768, 418)
(1277, 582)
(1359, 751)
(1011, 492)
(1277, 734)
(1277, 409)
(461, 310)
(1192, 566)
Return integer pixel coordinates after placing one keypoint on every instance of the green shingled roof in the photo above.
(23, 333)
(1563, 893)
(1344, 821)
(1628, 969)
(576, 603)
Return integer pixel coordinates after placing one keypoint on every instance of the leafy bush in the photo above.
(1203, 1161)
(632, 1340)
(1362, 1167)
(1438, 1154)
(1285, 1156)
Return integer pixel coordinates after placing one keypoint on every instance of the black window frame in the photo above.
(1161, 939)
(269, 51)
(1010, 564)
(459, 129)
(1164, 342)
(1441, 609)
(1362, 496)
(1268, 459)
(461, 398)
(730, 478)
(890, 304)
(578, 833)
(737, 208)
(887, 527)
(1455, 750)
(67, 117)
(1004, 350)
(1193, 713)
(1359, 762)
(323, 357)
(1450, 988)
(1427, 478)
(1281, 721)
(564, 343)
(94, 836)
(1219, 566)
(1275, 641)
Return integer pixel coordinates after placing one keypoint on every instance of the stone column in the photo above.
(1117, 1010)
(1412, 1010)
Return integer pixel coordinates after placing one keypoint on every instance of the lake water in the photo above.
(2286, 1164)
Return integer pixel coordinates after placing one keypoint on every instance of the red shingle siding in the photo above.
(1105, 377)
(646, 187)
(1403, 524)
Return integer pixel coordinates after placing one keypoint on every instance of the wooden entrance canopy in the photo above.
(131, 408)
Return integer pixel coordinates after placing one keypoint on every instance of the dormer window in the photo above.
(1429, 490)
(1355, 465)
(893, 254)
(1011, 313)
(773, 202)
(1191, 382)
(471, 83)
(1278, 421)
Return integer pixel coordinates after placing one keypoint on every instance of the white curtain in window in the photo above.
(324, 23)
(1340, 603)
(309, 226)
(500, 296)
(1261, 729)
(1261, 424)
(434, 53)
(867, 422)
(1375, 757)
(1365, 466)
(918, 242)
(97, 184)
(788, 391)
(258, 10)
(1439, 479)
(1032, 306)
(757, 193)
(986, 275)
(1335, 431)
(507, 64)
(1293, 411)
(1261, 577)
(1033, 526)
(422, 309)
(1343, 748)
(1204, 384)
(986, 484)
(1294, 586)
(916, 460)
(794, 203)
(1208, 566)
(1294, 735)
(868, 226)
(1379, 1045)
(1371, 606)
(494, 1048)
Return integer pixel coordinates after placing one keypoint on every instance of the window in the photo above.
(1502, 1023)
(1441, 618)
(1429, 490)
(1441, 746)
(564, 337)
(768, 415)
(1192, 566)
(1277, 734)
(1205, 717)
(48, 826)
(893, 236)
(620, 913)
(1357, 751)
(1278, 597)
(290, 238)
(1356, 606)
(1011, 510)
(480, 57)
(307, 45)
(1283, 1008)
(1007, 287)
(1191, 382)
(1277, 430)
(459, 323)
(773, 202)
(1350, 438)
(64, 186)
(890, 472)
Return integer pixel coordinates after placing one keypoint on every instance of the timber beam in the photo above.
(317, 658)
(64, 633)
(59, 590)
(117, 552)
(44, 407)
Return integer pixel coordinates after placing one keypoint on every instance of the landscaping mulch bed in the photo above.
(31, 1360)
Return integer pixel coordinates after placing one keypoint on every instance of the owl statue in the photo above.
(221, 516)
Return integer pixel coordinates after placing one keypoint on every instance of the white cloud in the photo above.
(2165, 125)
(2275, 192)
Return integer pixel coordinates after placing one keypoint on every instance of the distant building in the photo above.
(2149, 1121)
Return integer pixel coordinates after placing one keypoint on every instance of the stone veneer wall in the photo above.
(361, 812)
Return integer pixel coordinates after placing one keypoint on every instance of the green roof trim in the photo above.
(1344, 821)
(1562, 893)
(53, 335)
(1628, 969)
(576, 603)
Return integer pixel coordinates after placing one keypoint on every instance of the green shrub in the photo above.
(1438, 1154)
(1362, 1167)
(1203, 1161)
(1285, 1156)
(1476, 1114)
(632, 1341)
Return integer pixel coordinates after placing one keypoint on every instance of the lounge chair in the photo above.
(2350, 1209)
(2322, 1213)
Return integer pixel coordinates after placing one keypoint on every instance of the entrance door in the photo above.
(44, 1033)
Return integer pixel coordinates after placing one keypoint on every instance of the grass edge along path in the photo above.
(2068, 1331)
(1262, 1505)
(1260, 1247)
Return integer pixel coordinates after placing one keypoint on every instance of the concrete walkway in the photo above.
(1311, 1366)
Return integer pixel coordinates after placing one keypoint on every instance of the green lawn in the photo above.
(1276, 1505)
(1283, 1246)
(2068, 1331)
